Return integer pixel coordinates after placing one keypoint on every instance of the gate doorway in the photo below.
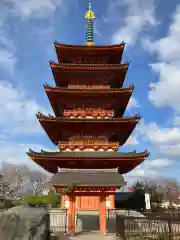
(87, 221)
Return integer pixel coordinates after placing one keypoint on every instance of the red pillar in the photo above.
(102, 209)
(63, 198)
(71, 214)
(112, 200)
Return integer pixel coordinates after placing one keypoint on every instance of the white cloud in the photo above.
(171, 150)
(158, 163)
(3, 12)
(149, 169)
(7, 60)
(165, 92)
(165, 140)
(17, 112)
(140, 15)
(133, 103)
(24, 9)
(7, 48)
(15, 153)
(176, 121)
(167, 47)
(132, 140)
(7, 53)
(33, 8)
(159, 136)
(140, 172)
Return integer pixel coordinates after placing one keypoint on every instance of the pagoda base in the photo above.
(89, 190)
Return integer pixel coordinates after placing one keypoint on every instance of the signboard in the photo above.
(147, 201)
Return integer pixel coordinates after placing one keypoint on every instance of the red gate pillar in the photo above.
(102, 209)
(112, 200)
(71, 214)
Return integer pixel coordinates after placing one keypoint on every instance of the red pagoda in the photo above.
(89, 102)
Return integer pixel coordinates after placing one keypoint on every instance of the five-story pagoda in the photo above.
(89, 102)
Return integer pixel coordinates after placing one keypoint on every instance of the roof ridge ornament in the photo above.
(132, 86)
(40, 115)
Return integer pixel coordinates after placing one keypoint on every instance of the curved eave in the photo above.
(88, 67)
(61, 95)
(89, 155)
(51, 163)
(89, 91)
(84, 190)
(41, 117)
(59, 129)
(85, 48)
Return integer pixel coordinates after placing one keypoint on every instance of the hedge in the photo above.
(43, 200)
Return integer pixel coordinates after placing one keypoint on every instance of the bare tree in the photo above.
(12, 189)
(167, 188)
(38, 188)
(20, 180)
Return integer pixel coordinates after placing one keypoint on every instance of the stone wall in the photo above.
(24, 223)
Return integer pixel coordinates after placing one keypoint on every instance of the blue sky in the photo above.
(151, 30)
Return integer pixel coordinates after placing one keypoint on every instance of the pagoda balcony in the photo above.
(115, 130)
(107, 99)
(82, 54)
(88, 145)
(89, 86)
(51, 161)
(89, 74)
(88, 113)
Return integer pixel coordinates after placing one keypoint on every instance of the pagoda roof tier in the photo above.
(51, 161)
(62, 129)
(112, 74)
(66, 98)
(96, 178)
(80, 53)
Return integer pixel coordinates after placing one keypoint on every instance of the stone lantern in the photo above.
(1, 185)
(2, 191)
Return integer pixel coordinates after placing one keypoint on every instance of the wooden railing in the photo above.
(89, 143)
(89, 86)
(89, 112)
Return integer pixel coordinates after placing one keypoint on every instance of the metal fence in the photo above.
(160, 228)
(125, 225)
(58, 220)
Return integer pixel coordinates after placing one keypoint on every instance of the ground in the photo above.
(89, 236)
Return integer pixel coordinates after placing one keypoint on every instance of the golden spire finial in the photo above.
(89, 30)
(90, 14)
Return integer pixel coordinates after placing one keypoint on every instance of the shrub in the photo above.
(16, 203)
(32, 200)
(44, 200)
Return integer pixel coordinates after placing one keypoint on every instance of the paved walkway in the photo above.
(89, 236)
